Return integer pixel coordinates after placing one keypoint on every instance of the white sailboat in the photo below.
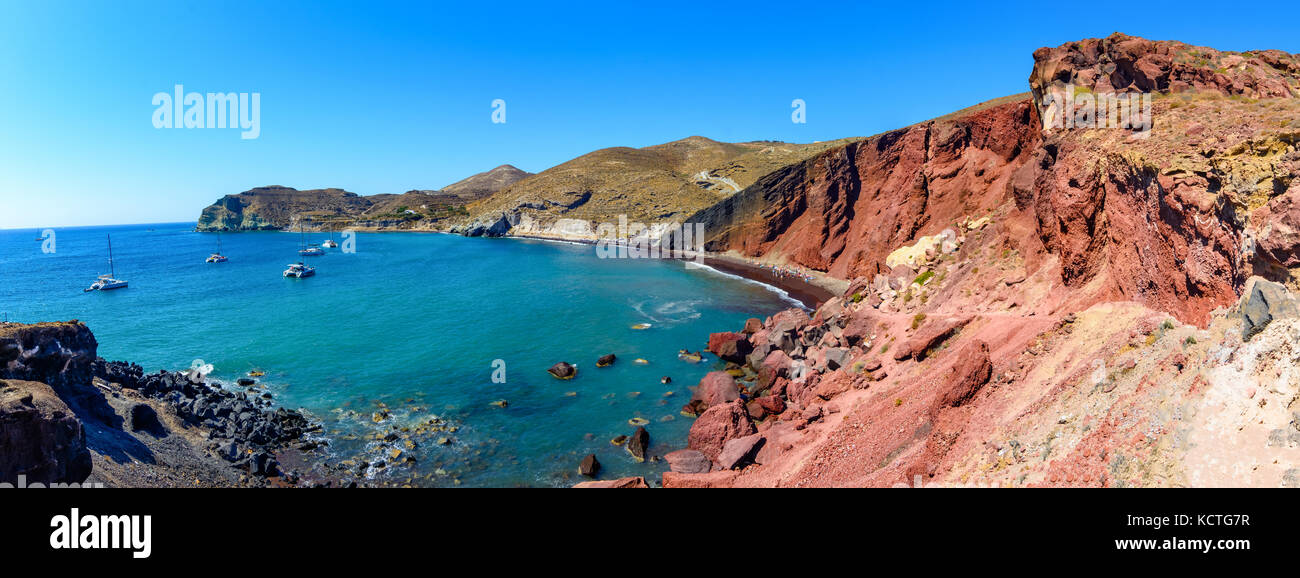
(110, 281)
(329, 243)
(217, 257)
(308, 250)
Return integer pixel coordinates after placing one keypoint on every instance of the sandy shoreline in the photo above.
(810, 294)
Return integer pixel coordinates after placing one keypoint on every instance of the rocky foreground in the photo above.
(70, 417)
(1114, 395)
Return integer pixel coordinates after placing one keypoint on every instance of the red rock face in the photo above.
(1121, 63)
(844, 211)
(1125, 224)
(1147, 243)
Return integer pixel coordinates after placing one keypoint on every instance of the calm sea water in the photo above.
(413, 322)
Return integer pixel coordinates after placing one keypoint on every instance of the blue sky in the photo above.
(383, 98)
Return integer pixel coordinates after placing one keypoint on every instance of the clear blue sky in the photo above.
(380, 98)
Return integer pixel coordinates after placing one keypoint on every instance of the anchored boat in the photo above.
(110, 281)
(329, 243)
(308, 250)
(217, 257)
(299, 271)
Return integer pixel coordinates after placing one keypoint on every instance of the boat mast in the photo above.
(111, 270)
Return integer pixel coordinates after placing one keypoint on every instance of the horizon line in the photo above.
(98, 225)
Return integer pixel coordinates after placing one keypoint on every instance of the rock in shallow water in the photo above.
(638, 444)
(590, 466)
(563, 370)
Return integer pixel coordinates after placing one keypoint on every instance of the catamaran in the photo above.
(308, 250)
(299, 270)
(217, 257)
(110, 281)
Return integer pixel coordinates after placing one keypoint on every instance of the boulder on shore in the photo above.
(717, 339)
(735, 351)
(718, 425)
(739, 452)
(688, 461)
(716, 387)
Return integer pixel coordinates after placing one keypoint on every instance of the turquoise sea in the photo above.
(413, 322)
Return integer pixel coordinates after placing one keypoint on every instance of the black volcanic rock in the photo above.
(40, 438)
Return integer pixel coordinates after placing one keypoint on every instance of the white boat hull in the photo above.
(107, 286)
